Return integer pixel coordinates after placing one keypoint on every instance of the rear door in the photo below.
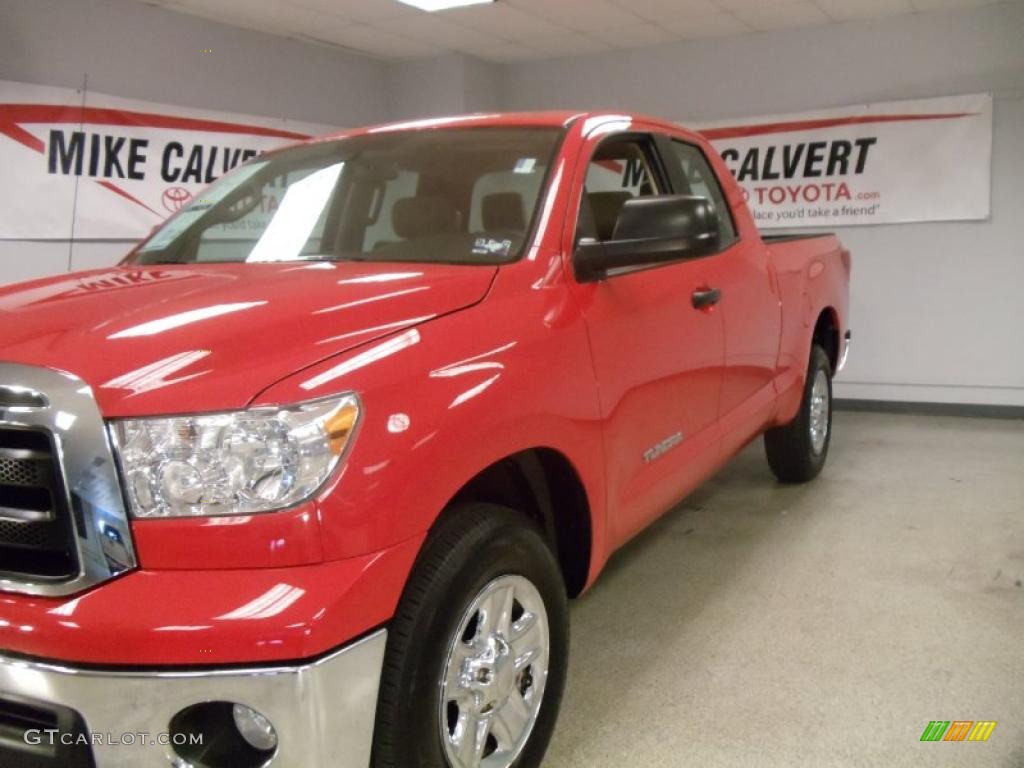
(749, 304)
(658, 360)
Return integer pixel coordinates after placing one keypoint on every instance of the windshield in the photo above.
(463, 195)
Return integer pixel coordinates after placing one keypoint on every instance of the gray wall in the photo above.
(137, 51)
(937, 309)
(444, 85)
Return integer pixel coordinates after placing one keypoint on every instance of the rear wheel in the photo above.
(477, 652)
(797, 451)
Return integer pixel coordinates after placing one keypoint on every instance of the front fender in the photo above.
(446, 399)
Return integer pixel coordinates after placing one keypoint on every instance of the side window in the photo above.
(703, 183)
(620, 169)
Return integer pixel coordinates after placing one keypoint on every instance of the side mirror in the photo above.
(651, 230)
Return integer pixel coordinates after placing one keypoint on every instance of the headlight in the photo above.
(235, 463)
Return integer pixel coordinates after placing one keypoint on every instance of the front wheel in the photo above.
(797, 451)
(478, 649)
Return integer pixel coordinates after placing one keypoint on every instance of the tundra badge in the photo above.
(663, 447)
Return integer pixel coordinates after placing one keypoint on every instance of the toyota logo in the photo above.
(176, 198)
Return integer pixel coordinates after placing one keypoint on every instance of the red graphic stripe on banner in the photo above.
(54, 113)
(117, 190)
(742, 131)
(22, 136)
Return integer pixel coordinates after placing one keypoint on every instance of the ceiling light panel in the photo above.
(443, 5)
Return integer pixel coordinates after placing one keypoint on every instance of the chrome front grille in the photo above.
(24, 471)
(15, 533)
(63, 522)
(35, 529)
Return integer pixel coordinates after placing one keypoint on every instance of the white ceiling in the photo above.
(516, 30)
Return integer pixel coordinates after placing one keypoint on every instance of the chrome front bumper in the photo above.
(323, 711)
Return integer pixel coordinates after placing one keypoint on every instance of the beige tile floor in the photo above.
(820, 625)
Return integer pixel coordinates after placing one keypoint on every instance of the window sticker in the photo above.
(525, 165)
(489, 246)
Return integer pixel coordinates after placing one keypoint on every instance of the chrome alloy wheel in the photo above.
(820, 407)
(495, 674)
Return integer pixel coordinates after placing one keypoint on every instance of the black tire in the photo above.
(469, 548)
(791, 451)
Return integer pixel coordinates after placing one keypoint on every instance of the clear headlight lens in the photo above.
(232, 463)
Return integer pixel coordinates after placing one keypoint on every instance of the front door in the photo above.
(658, 360)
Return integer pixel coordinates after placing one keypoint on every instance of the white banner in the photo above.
(91, 166)
(924, 160)
(102, 167)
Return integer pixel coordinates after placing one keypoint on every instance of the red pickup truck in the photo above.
(308, 479)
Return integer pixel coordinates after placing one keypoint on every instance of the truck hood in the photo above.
(185, 338)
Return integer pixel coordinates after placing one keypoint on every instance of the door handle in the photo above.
(705, 297)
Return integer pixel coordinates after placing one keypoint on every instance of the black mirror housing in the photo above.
(651, 230)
